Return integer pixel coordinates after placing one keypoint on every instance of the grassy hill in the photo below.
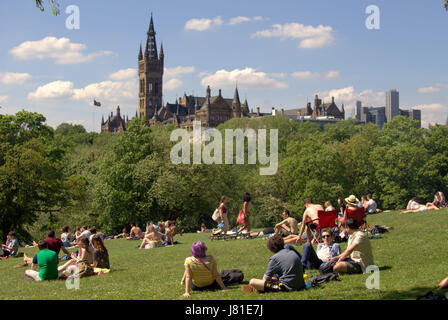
(412, 258)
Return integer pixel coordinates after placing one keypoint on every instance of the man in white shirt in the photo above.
(371, 205)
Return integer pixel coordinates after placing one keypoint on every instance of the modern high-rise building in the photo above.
(392, 104)
(358, 110)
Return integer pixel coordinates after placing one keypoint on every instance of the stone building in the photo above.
(115, 124)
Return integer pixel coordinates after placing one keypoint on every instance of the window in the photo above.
(156, 88)
(150, 87)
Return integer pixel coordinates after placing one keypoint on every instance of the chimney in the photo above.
(258, 111)
(332, 99)
(283, 112)
(219, 92)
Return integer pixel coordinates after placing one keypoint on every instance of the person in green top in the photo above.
(48, 264)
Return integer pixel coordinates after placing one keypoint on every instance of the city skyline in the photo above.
(280, 55)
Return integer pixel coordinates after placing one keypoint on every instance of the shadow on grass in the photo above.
(384, 268)
(411, 294)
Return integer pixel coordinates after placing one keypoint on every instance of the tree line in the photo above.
(67, 176)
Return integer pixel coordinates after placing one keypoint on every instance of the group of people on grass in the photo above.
(438, 203)
(91, 257)
(155, 235)
(285, 267)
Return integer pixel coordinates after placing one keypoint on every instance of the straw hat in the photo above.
(352, 201)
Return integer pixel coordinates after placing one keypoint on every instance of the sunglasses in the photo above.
(326, 236)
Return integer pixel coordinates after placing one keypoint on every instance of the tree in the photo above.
(54, 6)
(446, 4)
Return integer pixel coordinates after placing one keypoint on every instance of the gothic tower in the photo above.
(150, 72)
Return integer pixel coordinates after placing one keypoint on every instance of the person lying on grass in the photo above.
(414, 206)
(201, 271)
(204, 229)
(47, 260)
(284, 272)
(358, 255)
(443, 284)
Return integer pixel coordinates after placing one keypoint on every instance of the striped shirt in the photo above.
(201, 276)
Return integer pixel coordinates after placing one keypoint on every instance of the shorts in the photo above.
(274, 286)
(214, 285)
(312, 225)
(353, 267)
(423, 208)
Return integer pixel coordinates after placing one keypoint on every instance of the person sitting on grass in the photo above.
(53, 243)
(329, 206)
(201, 271)
(310, 220)
(123, 234)
(414, 206)
(372, 207)
(152, 238)
(11, 248)
(47, 260)
(100, 263)
(204, 229)
(94, 232)
(358, 255)
(66, 236)
(439, 199)
(289, 225)
(84, 260)
(135, 233)
(284, 272)
(171, 231)
(325, 251)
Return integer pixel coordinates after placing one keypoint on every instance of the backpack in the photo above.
(327, 267)
(319, 279)
(215, 215)
(234, 276)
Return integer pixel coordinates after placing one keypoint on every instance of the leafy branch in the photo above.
(54, 6)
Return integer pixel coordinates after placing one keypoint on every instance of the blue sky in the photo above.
(281, 53)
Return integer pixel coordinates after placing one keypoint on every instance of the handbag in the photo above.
(215, 215)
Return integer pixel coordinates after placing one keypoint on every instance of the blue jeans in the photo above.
(309, 257)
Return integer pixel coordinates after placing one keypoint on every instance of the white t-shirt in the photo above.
(324, 253)
(371, 206)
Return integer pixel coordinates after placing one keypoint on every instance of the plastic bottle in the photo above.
(307, 282)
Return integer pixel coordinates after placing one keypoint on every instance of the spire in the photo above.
(208, 91)
(140, 54)
(161, 51)
(236, 97)
(151, 46)
(102, 120)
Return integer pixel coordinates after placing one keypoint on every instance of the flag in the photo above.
(96, 103)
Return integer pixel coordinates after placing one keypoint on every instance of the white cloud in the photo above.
(109, 91)
(202, 24)
(311, 37)
(331, 74)
(62, 50)
(442, 85)
(53, 90)
(238, 20)
(248, 79)
(124, 74)
(3, 99)
(279, 75)
(173, 84)
(433, 113)
(305, 75)
(348, 97)
(177, 71)
(14, 78)
(428, 90)
(315, 75)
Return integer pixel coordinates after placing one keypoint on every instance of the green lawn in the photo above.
(412, 258)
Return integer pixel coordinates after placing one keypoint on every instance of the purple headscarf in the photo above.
(198, 251)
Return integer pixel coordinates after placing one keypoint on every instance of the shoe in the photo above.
(248, 288)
